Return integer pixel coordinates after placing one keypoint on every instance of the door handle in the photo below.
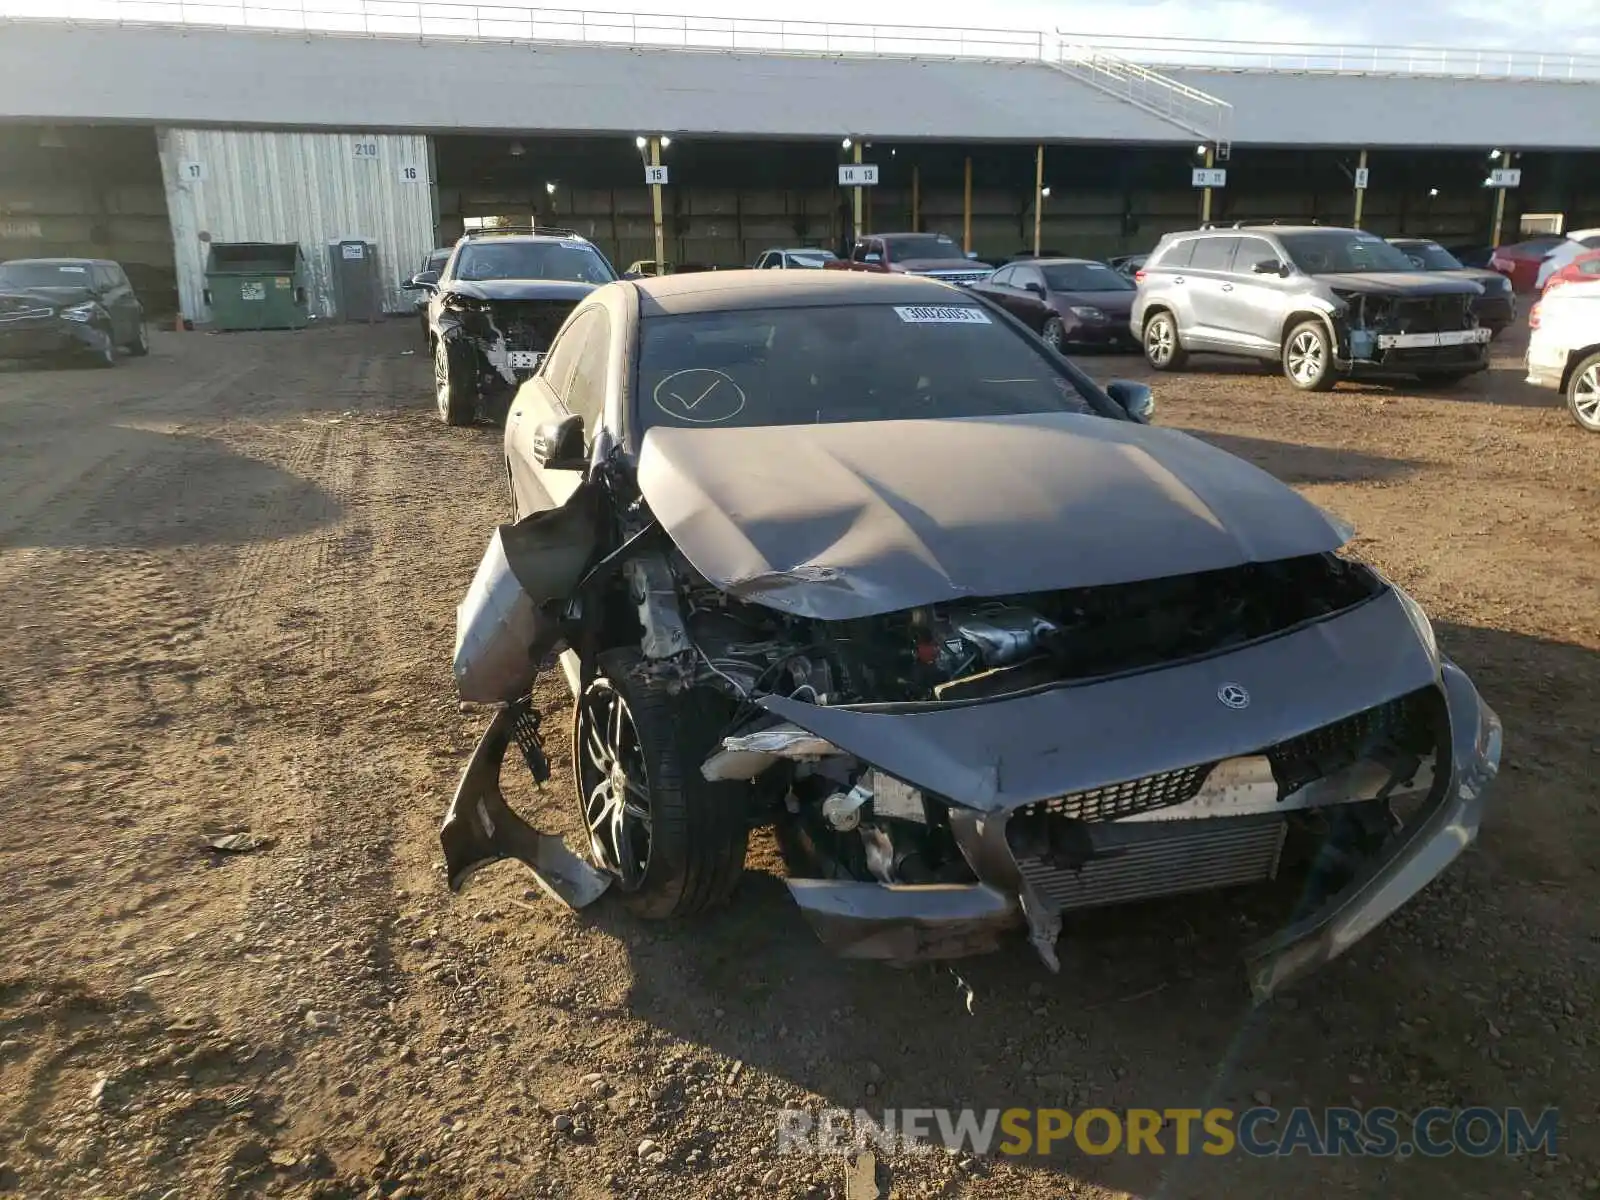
(1177, 279)
(1227, 287)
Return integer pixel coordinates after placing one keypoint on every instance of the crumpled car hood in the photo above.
(846, 520)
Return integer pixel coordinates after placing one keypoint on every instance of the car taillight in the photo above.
(1138, 276)
(1533, 317)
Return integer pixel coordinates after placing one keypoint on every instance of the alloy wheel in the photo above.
(1586, 398)
(614, 785)
(1054, 336)
(1158, 341)
(441, 378)
(1305, 357)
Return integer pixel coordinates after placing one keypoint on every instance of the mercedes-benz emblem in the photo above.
(1234, 695)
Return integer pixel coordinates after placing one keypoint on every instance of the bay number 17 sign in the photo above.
(858, 175)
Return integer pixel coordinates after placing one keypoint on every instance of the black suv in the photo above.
(1324, 303)
(495, 307)
(82, 307)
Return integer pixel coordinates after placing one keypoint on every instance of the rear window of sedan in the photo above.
(861, 362)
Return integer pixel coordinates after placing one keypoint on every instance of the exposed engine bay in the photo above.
(979, 649)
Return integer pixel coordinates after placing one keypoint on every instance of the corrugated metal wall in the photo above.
(227, 185)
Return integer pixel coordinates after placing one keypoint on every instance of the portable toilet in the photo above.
(357, 290)
(256, 285)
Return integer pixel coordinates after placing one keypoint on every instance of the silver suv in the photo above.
(1325, 303)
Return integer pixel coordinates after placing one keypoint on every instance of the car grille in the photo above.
(1430, 314)
(1118, 800)
(530, 324)
(1147, 860)
(20, 308)
(1311, 756)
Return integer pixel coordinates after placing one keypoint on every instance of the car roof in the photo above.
(797, 250)
(1413, 241)
(58, 262)
(1058, 262)
(733, 291)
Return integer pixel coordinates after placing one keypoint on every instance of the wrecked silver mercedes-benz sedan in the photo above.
(863, 559)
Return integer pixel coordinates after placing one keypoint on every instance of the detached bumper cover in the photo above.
(481, 828)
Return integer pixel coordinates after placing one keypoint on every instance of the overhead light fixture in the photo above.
(1045, 191)
(516, 150)
(1493, 154)
(665, 142)
(1200, 149)
(640, 142)
(845, 143)
(893, 152)
(549, 189)
(1432, 192)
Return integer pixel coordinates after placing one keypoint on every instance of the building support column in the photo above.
(1361, 192)
(655, 206)
(966, 209)
(1038, 198)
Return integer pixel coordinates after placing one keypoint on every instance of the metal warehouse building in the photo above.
(148, 143)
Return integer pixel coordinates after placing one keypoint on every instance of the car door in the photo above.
(571, 379)
(1029, 295)
(1207, 273)
(1252, 304)
(997, 287)
(106, 292)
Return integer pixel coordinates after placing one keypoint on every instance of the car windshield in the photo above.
(1337, 253)
(809, 258)
(855, 362)
(1430, 256)
(1084, 277)
(923, 245)
(572, 261)
(41, 274)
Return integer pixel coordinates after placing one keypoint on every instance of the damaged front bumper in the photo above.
(1230, 833)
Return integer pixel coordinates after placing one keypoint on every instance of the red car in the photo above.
(1583, 268)
(1520, 261)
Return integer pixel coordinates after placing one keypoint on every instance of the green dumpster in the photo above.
(256, 285)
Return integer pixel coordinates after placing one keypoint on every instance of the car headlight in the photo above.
(78, 312)
(1088, 312)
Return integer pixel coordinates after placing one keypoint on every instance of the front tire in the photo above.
(1163, 349)
(674, 841)
(140, 346)
(103, 353)
(452, 388)
(1054, 334)
(1583, 393)
(1308, 358)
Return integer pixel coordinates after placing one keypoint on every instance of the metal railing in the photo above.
(505, 22)
(1238, 55)
(1200, 113)
(508, 22)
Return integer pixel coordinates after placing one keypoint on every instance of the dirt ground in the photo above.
(228, 575)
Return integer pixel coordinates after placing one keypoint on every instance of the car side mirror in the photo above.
(558, 445)
(421, 281)
(1036, 288)
(1136, 399)
(1270, 266)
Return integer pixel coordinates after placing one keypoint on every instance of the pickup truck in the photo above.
(931, 254)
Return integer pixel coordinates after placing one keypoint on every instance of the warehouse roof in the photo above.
(1280, 108)
(197, 76)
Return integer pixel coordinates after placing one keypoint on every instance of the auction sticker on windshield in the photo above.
(941, 314)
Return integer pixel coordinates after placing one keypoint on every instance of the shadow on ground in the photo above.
(1297, 463)
(157, 490)
(1150, 1008)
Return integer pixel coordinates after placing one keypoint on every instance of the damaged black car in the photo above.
(494, 308)
(861, 559)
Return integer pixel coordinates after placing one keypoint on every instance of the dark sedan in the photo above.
(1067, 301)
(69, 307)
(1495, 309)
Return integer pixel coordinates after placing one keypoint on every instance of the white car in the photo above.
(1579, 241)
(1564, 349)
